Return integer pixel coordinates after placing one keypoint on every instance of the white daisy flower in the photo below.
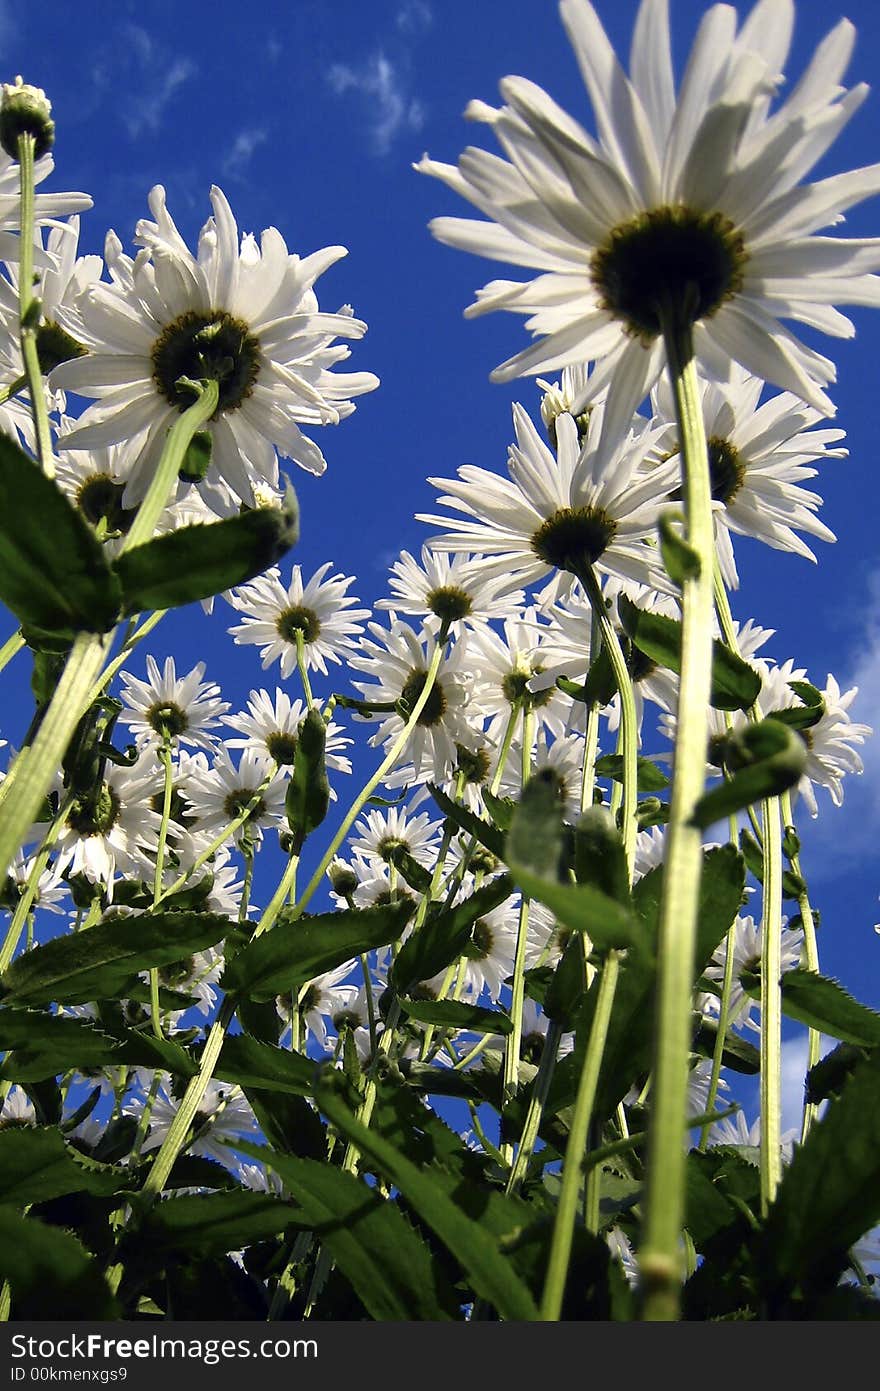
(94, 481)
(735, 1130)
(830, 742)
(447, 589)
(271, 728)
(224, 1114)
(397, 663)
(241, 313)
(585, 505)
(507, 669)
(218, 794)
(564, 757)
(379, 833)
(17, 1109)
(689, 199)
(180, 708)
(320, 610)
(47, 206)
(51, 891)
(115, 827)
(759, 458)
(748, 948)
(490, 952)
(322, 999)
(62, 280)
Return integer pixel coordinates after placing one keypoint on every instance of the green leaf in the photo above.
(568, 985)
(290, 1123)
(36, 1165)
(737, 1054)
(599, 856)
(46, 1045)
(308, 792)
(735, 684)
(680, 560)
(830, 1074)
(53, 572)
(535, 838)
(583, 908)
(297, 950)
(454, 1014)
(260, 1065)
(387, 1264)
(823, 1004)
(467, 820)
(501, 809)
(100, 963)
(198, 561)
(443, 937)
(490, 1272)
(414, 874)
(830, 1192)
(650, 778)
(806, 715)
(207, 1224)
(770, 758)
(51, 1274)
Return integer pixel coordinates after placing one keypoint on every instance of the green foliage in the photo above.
(444, 935)
(308, 792)
(766, 759)
(455, 1014)
(50, 1272)
(735, 684)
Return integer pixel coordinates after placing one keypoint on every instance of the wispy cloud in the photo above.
(389, 106)
(145, 72)
(246, 142)
(414, 17)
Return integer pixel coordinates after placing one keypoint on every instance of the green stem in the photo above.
(572, 1169)
(221, 839)
(535, 1113)
(659, 1256)
(23, 907)
(12, 645)
(276, 903)
(811, 961)
(771, 1005)
(513, 1043)
(36, 766)
(13, 388)
(29, 309)
(629, 731)
(385, 766)
(131, 641)
(723, 1013)
(302, 668)
(165, 760)
(163, 480)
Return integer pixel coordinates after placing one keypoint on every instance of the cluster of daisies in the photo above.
(489, 632)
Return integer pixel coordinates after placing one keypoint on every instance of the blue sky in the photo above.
(309, 116)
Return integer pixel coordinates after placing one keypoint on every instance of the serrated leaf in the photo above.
(51, 1274)
(36, 1165)
(680, 560)
(207, 1224)
(823, 1004)
(195, 562)
(583, 908)
(489, 1271)
(599, 856)
(250, 1063)
(650, 778)
(297, 950)
(53, 572)
(830, 1192)
(308, 792)
(46, 1045)
(501, 809)
(455, 1014)
(735, 684)
(467, 820)
(100, 963)
(443, 937)
(387, 1264)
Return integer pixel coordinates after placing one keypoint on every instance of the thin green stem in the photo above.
(513, 1042)
(13, 388)
(29, 893)
(572, 1169)
(168, 786)
(276, 903)
(12, 645)
(29, 308)
(130, 642)
(591, 731)
(302, 667)
(811, 962)
(385, 766)
(659, 1255)
(535, 1112)
(771, 1005)
(723, 1016)
(163, 480)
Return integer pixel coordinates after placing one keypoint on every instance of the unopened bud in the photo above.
(24, 110)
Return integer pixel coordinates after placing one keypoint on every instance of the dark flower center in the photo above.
(532, 1047)
(96, 814)
(473, 764)
(515, 687)
(99, 498)
(482, 941)
(165, 717)
(55, 345)
(574, 537)
(726, 470)
(435, 706)
(449, 603)
(692, 261)
(298, 619)
(282, 747)
(239, 800)
(176, 972)
(210, 345)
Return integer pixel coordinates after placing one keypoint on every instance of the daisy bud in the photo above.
(24, 110)
(343, 879)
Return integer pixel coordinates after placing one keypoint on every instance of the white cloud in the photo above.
(414, 16)
(239, 157)
(390, 108)
(142, 74)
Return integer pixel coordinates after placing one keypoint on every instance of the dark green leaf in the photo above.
(535, 838)
(298, 949)
(198, 561)
(454, 1014)
(490, 1272)
(829, 1076)
(823, 1004)
(53, 572)
(737, 1054)
(289, 1123)
(45, 1045)
(582, 908)
(308, 792)
(483, 831)
(51, 1274)
(806, 715)
(207, 1224)
(260, 1065)
(568, 986)
(735, 684)
(599, 856)
(680, 560)
(442, 938)
(36, 1164)
(771, 758)
(414, 874)
(501, 809)
(388, 1265)
(99, 963)
(650, 777)
(830, 1192)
